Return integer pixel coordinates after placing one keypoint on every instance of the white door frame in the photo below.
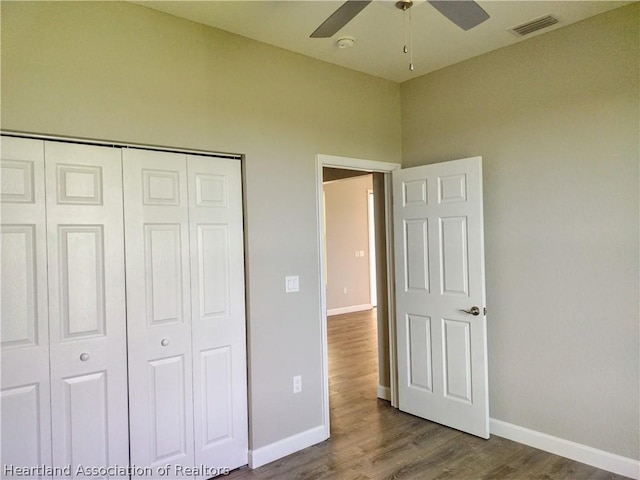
(368, 166)
(371, 230)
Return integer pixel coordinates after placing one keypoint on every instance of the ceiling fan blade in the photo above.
(464, 13)
(340, 18)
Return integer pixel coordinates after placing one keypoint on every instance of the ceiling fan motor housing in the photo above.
(404, 5)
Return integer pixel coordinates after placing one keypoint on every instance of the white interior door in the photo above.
(159, 309)
(218, 312)
(439, 258)
(86, 306)
(24, 399)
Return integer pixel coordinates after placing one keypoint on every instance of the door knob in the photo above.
(84, 357)
(472, 311)
(164, 342)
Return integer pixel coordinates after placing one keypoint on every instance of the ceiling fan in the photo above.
(464, 13)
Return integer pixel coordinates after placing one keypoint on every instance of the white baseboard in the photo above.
(618, 464)
(384, 393)
(565, 448)
(351, 309)
(274, 451)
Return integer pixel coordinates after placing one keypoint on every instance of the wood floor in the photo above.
(371, 440)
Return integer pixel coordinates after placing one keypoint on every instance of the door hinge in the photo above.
(484, 311)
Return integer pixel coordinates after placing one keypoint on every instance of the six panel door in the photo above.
(439, 259)
(218, 325)
(87, 306)
(24, 397)
(159, 308)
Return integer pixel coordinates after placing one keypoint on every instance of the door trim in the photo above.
(349, 163)
(371, 227)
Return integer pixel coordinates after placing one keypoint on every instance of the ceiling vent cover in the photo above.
(533, 26)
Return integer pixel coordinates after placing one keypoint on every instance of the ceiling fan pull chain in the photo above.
(405, 5)
(404, 32)
(410, 43)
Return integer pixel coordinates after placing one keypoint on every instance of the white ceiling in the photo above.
(378, 29)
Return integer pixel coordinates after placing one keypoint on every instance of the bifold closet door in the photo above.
(86, 306)
(24, 352)
(159, 308)
(218, 311)
(186, 318)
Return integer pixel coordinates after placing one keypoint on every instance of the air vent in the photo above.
(533, 26)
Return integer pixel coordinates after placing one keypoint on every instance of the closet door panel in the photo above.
(86, 413)
(24, 344)
(168, 409)
(87, 305)
(158, 306)
(219, 331)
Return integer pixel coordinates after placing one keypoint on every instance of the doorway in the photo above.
(446, 386)
(386, 339)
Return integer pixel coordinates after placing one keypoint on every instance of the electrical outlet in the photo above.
(297, 384)
(344, 290)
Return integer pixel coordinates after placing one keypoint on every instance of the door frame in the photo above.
(371, 230)
(373, 166)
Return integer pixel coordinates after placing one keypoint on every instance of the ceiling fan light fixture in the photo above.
(345, 42)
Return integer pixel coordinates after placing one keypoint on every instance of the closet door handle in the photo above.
(84, 357)
(164, 342)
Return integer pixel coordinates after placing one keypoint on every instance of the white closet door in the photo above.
(158, 307)
(26, 414)
(87, 306)
(218, 311)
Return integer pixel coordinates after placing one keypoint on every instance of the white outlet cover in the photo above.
(297, 384)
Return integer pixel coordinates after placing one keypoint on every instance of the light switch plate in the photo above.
(292, 284)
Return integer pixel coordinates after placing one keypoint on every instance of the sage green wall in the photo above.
(118, 71)
(556, 119)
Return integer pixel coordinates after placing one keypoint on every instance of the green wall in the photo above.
(556, 119)
(122, 72)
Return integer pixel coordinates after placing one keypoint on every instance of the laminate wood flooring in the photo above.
(370, 440)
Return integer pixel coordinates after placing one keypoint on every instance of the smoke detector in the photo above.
(345, 42)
